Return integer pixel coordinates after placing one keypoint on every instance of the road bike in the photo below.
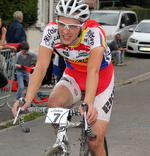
(60, 119)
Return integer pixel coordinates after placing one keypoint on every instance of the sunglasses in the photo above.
(70, 27)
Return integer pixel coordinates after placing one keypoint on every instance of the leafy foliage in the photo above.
(28, 7)
(142, 3)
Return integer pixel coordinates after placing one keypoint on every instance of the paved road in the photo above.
(129, 130)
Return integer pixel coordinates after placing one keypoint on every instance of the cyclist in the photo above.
(88, 67)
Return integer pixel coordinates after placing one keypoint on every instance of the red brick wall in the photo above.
(93, 4)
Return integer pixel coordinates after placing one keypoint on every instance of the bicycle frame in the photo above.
(61, 139)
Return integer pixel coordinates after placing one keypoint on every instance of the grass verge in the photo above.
(28, 117)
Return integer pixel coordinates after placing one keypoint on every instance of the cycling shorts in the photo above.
(105, 93)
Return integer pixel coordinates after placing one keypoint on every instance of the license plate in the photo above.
(144, 48)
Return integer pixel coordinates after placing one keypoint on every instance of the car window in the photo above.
(105, 18)
(131, 19)
(143, 27)
(123, 20)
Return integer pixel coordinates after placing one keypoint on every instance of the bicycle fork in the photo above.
(62, 139)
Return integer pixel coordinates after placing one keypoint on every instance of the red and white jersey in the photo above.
(76, 56)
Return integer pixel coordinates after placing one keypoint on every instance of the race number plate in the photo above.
(57, 115)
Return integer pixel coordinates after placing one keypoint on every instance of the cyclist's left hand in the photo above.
(91, 114)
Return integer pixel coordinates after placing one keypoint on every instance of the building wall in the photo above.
(93, 4)
(34, 37)
(34, 34)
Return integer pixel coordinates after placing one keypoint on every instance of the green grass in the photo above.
(28, 117)
(127, 58)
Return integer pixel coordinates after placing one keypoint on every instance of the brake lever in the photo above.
(16, 117)
(85, 109)
(21, 103)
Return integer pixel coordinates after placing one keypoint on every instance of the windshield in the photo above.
(143, 27)
(105, 18)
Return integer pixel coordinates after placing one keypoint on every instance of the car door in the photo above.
(128, 20)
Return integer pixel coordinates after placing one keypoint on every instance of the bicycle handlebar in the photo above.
(72, 112)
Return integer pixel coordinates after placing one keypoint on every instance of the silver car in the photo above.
(114, 22)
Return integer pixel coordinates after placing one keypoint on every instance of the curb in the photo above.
(118, 85)
(133, 80)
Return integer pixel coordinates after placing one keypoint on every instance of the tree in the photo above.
(28, 7)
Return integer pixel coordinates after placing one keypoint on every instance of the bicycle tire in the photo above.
(84, 150)
(105, 146)
(7, 104)
(2, 105)
(55, 151)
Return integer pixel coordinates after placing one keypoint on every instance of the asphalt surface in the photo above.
(129, 129)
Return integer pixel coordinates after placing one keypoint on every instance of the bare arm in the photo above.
(4, 31)
(43, 61)
(92, 80)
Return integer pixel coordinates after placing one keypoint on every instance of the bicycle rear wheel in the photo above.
(55, 151)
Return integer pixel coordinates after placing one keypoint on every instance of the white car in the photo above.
(139, 41)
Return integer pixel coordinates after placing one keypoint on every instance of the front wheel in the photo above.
(84, 150)
(55, 151)
(105, 146)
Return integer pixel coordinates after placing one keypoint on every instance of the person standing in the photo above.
(3, 31)
(117, 51)
(16, 33)
(23, 58)
(47, 83)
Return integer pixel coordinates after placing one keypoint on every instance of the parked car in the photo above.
(139, 41)
(114, 22)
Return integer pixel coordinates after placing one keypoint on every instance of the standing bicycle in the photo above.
(82, 43)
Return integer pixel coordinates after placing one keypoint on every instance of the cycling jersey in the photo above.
(76, 56)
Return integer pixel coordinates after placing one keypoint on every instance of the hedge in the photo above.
(28, 7)
(142, 14)
(142, 3)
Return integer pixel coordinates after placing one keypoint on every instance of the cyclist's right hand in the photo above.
(14, 109)
(22, 103)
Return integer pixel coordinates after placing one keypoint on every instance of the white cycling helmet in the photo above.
(76, 9)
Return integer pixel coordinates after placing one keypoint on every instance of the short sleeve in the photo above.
(97, 37)
(49, 36)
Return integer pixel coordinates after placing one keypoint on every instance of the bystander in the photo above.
(23, 58)
(117, 51)
(16, 33)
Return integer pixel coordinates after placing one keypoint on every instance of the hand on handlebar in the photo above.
(91, 113)
(22, 103)
(15, 107)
